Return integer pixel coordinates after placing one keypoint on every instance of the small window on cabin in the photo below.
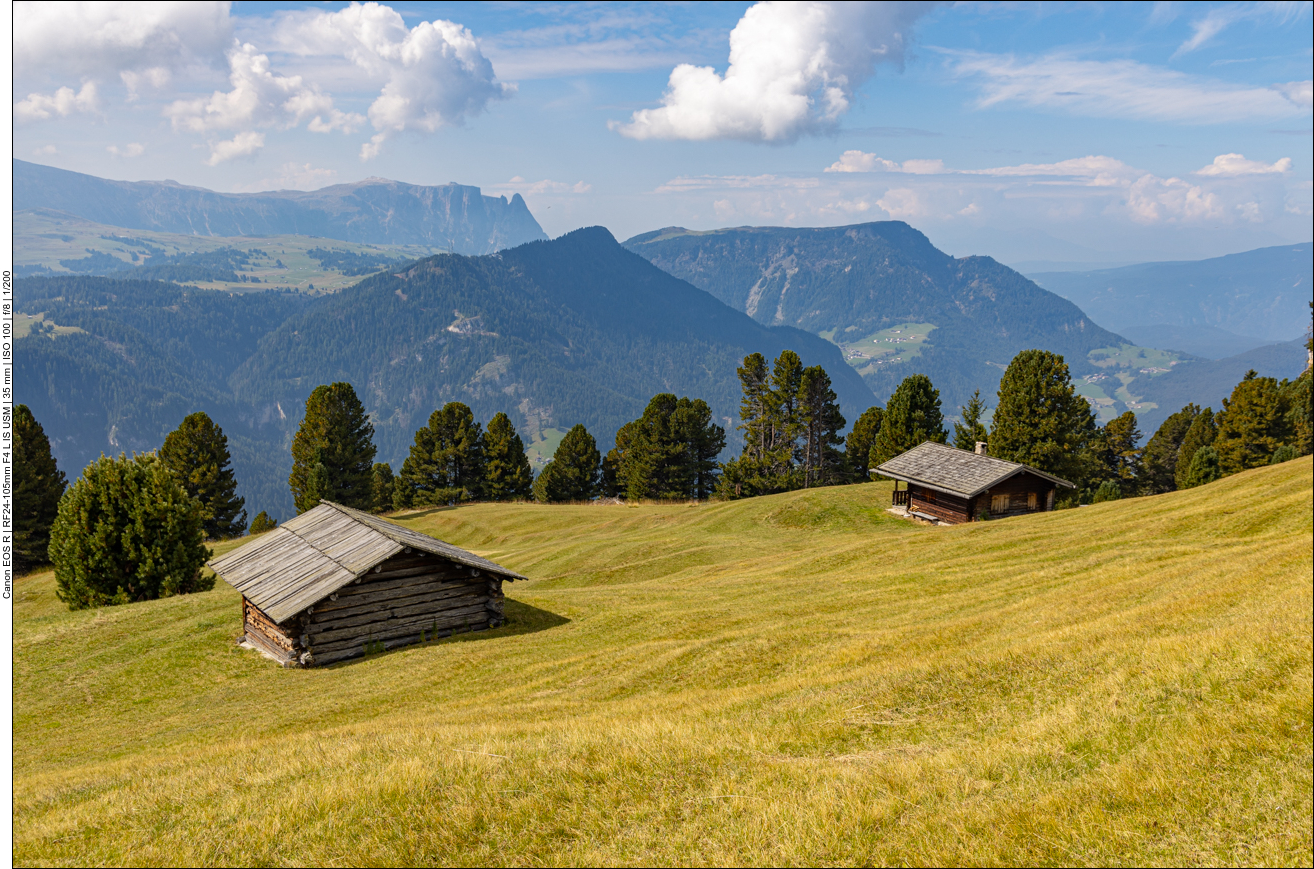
(999, 503)
(1032, 501)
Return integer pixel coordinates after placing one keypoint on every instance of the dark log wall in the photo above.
(946, 508)
(1017, 488)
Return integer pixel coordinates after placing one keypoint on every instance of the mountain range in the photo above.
(889, 298)
(553, 333)
(1212, 308)
(374, 211)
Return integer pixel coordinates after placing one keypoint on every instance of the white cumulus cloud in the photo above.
(433, 75)
(243, 144)
(794, 69)
(132, 149)
(1232, 165)
(62, 103)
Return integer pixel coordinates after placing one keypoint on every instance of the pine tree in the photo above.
(857, 446)
(126, 531)
(1300, 418)
(573, 473)
(769, 420)
(262, 523)
(1204, 468)
(703, 441)
(446, 464)
(786, 421)
(1252, 426)
(381, 486)
(1041, 421)
(971, 430)
(507, 475)
(1121, 455)
(196, 453)
(912, 417)
(1160, 456)
(756, 406)
(820, 421)
(668, 453)
(1201, 434)
(38, 486)
(336, 436)
(612, 484)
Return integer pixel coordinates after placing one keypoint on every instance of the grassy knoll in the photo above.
(793, 679)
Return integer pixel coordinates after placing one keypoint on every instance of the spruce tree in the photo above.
(1160, 456)
(507, 475)
(1252, 426)
(612, 483)
(668, 453)
(1202, 432)
(333, 451)
(196, 453)
(446, 464)
(820, 422)
(38, 486)
(573, 473)
(702, 441)
(126, 531)
(381, 485)
(857, 446)
(262, 523)
(971, 429)
(1121, 455)
(1041, 421)
(1204, 468)
(912, 417)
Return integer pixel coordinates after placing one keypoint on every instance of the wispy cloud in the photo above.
(1219, 18)
(1120, 88)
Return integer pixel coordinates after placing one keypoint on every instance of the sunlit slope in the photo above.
(793, 679)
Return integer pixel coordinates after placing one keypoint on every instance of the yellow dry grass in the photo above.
(800, 679)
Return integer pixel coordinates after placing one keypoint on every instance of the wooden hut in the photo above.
(950, 486)
(336, 583)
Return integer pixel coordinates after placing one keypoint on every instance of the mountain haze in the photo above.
(849, 283)
(373, 211)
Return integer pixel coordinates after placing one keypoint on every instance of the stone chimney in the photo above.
(980, 448)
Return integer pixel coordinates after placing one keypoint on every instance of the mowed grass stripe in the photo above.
(793, 679)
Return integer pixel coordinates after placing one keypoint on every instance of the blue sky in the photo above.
(1062, 132)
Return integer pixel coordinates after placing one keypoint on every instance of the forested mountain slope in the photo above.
(854, 283)
(553, 333)
(1261, 293)
(373, 211)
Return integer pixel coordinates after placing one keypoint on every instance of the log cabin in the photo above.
(950, 486)
(335, 583)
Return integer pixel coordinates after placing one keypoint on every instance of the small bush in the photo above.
(1109, 490)
(262, 523)
(1283, 454)
(126, 531)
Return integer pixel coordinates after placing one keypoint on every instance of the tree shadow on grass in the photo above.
(521, 618)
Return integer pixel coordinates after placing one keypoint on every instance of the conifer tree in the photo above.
(126, 531)
(446, 464)
(756, 407)
(507, 475)
(912, 417)
(333, 450)
(1160, 457)
(573, 473)
(262, 523)
(702, 441)
(1041, 421)
(38, 486)
(971, 429)
(1204, 468)
(1252, 426)
(820, 422)
(669, 452)
(771, 426)
(381, 486)
(1202, 432)
(611, 483)
(857, 446)
(1121, 455)
(196, 453)
(1300, 418)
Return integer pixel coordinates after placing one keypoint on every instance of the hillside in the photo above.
(552, 333)
(374, 211)
(741, 683)
(1262, 295)
(868, 287)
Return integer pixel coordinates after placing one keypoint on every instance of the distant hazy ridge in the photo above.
(373, 211)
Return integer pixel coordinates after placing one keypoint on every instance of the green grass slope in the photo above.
(799, 679)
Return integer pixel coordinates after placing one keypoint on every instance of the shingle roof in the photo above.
(306, 559)
(954, 471)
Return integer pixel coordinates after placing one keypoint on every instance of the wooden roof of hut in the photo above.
(954, 471)
(308, 558)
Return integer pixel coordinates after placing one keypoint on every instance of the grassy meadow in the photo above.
(798, 679)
